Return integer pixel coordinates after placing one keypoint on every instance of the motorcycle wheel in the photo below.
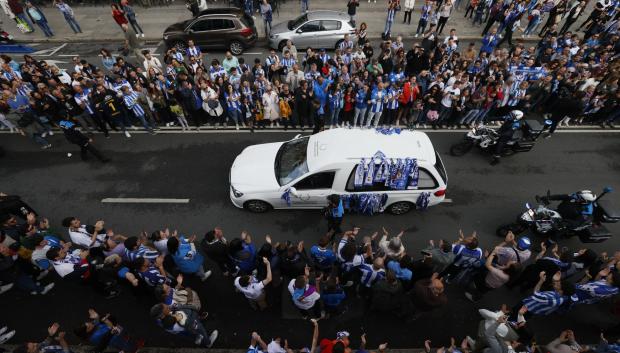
(460, 149)
(504, 229)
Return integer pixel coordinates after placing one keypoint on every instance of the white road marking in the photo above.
(253, 53)
(48, 52)
(142, 200)
(55, 62)
(68, 55)
(447, 200)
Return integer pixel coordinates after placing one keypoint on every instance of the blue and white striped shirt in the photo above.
(288, 63)
(82, 98)
(194, 51)
(377, 99)
(131, 101)
(370, 275)
(392, 94)
(214, 72)
(233, 101)
(152, 277)
(466, 257)
(141, 251)
(178, 56)
(544, 303)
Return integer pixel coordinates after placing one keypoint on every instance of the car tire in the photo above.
(399, 208)
(281, 45)
(257, 206)
(180, 45)
(338, 44)
(236, 47)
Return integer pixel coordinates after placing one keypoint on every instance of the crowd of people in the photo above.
(321, 279)
(437, 81)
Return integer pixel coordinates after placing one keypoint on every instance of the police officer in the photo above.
(74, 136)
(334, 213)
(506, 133)
(576, 208)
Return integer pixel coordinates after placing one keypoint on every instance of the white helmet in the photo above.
(587, 195)
(516, 114)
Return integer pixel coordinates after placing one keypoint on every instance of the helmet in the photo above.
(586, 195)
(516, 114)
(524, 243)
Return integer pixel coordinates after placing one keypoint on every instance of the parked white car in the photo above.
(312, 167)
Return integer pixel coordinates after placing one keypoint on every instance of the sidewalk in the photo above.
(98, 25)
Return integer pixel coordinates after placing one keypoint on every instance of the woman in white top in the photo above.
(444, 14)
(211, 103)
(271, 105)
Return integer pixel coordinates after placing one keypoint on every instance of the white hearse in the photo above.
(309, 168)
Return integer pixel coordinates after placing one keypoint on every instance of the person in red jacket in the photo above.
(119, 15)
(411, 90)
(18, 10)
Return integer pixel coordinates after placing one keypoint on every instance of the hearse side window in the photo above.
(426, 181)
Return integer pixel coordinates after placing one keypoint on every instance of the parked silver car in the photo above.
(316, 29)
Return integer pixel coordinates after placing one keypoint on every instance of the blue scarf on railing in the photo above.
(358, 182)
(414, 173)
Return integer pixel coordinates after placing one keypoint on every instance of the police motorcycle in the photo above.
(581, 214)
(515, 135)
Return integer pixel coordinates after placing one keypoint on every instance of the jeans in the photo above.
(421, 26)
(477, 18)
(304, 6)
(134, 24)
(441, 24)
(73, 23)
(45, 28)
(147, 123)
(45, 123)
(388, 27)
(359, 114)
(373, 117)
(334, 116)
(531, 27)
(469, 117)
(39, 139)
(234, 115)
(267, 25)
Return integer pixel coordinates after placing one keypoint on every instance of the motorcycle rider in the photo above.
(576, 209)
(512, 123)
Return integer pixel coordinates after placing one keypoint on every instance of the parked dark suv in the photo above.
(221, 28)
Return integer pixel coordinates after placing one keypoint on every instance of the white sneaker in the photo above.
(416, 35)
(3, 330)
(51, 133)
(47, 288)
(212, 338)
(127, 134)
(236, 126)
(206, 275)
(142, 35)
(6, 337)
(6, 288)
(44, 134)
(198, 340)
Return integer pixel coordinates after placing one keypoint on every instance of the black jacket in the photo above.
(76, 137)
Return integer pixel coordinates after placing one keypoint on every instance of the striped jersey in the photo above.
(392, 97)
(82, 98)
(232, 100)
(377, 99)
(178, 56)
(544, 303)
(152, 277)
(193, 51)
(288, 63)
(370, 275)
(214, 72)
(131, 101)
(141, 251)
(360, 99)
(466, 257)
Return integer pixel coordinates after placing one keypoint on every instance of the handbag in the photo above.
(397, 8)
(432, 115)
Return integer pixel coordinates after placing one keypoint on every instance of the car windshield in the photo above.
(292, 24)
(291, 160)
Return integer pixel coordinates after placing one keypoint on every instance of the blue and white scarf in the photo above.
(358, 183)
(414, 174)
(422, 201)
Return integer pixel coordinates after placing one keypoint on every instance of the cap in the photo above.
(342, 334)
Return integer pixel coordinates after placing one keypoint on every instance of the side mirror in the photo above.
(608, 189)
(527, 205)
(293, 191)
(298, 31)
(296, 137)
(190, 30)
(548, 122)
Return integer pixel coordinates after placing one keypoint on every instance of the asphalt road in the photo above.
(195, 166)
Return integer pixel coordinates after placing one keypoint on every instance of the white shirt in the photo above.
(253, 291)
(161, 246)
(307, 302)
(446, 101)
(81, 237)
